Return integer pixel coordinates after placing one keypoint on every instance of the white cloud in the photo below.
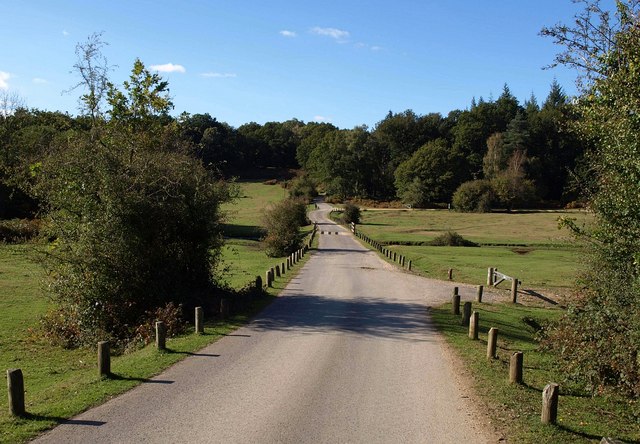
(321, 119)
(218, 75)
(65, 33)
(376, 48)
(39, 81)
(286, 33)
(337, 34)
(4, 77)
(168, 67)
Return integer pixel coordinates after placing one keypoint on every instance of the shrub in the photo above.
(282, 222)
(303, 188)
(136, 226)
(451, 239)
(474, 196)
(351, 213)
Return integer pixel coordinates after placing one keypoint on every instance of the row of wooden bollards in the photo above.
(15, 378)
(391, 255)
(472, 320)
(279, 270)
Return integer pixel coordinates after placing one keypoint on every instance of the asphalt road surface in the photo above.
(346, 355)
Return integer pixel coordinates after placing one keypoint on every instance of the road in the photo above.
(346, 354)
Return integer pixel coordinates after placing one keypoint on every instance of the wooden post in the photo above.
(161, 336)
(474, 324)
(479, 294)
(550, 403)
(258, 283)
(104, 359)
(224, 308)
(15, 386)
(282, 269)
(395, 256)
(515, 368)
(277, 270)
(490, 276)
(409, 267)
(199, 320)
(268, 278)
(514, 290)
(492, 343)
(455, 301)
(456, 290)
(466, 313)
(450, 274)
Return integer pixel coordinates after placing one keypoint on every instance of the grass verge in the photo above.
(515, 409)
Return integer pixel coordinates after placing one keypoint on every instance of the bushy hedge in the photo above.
(476, 196)
(351, 213)
(282, 222)
(137, 226)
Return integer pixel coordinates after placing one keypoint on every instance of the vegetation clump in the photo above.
(351, 213)
(282, 222)
(451, 239)
(599, 337)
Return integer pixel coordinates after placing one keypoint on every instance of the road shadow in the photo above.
(117, 377)
(358, 315)
(542, 297)
(61, 420)
(339, 251)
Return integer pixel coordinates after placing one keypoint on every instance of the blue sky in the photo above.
(345, 62)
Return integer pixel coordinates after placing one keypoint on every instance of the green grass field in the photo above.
(60, 383)
(528, 245)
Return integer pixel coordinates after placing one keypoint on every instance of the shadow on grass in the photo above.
(60, 420)
(116, 377)
(243, 231)
(582, 434)
(177, 352)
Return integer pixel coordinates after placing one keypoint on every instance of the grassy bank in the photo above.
(515, 409)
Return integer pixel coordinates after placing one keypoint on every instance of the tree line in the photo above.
(496, 153)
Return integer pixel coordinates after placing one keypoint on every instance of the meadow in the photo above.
(527, 245)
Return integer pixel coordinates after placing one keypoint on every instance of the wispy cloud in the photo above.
(321, 119)
(4, 80)
(65, 33)
(218, 75)
(361, 45)
(168, 67)
(336, 34)
(39, 81)
(286, 33)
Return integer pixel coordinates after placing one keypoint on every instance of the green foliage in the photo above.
(476, 196)
(511, 187)
(303, 187)
(136, 222)
(145, 96)
(429, 176)
(599, 338)
(282, 222)
(351, 213)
